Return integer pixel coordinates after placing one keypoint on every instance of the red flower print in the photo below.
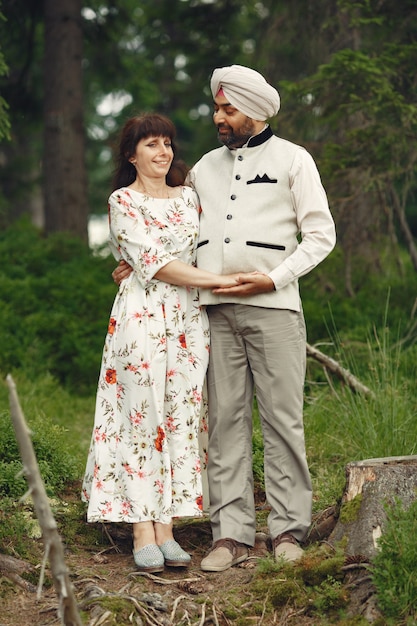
(170, 424)
(136, 417)
(107, 508)
(125, 507)
(160, 486)
(112, 326)
(199, 502)
(182, 341)
(127, 468)
(160, 438)
(197, 396)
(110, 376)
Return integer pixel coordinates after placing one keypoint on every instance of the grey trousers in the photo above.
(262, 349)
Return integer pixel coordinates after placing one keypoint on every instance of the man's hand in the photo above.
(250, 284)
(122, 271)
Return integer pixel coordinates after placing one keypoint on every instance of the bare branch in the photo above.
(335, 368)
(68, 611)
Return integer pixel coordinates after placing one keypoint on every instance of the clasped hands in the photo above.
(245, 283)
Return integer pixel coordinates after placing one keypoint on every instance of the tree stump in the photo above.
(371, 485)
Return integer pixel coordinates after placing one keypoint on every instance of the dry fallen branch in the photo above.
(340, 372)
(12, 568)
(164, 581)
(67, 610)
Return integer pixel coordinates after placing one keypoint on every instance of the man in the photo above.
(259, 195)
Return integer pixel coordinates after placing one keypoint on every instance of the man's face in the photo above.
(233, 127)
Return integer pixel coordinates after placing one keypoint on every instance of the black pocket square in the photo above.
(262, 179)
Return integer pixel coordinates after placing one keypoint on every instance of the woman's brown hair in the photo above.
(141, 127)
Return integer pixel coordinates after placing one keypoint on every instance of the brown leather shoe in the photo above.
(223, 554)
(286, 547)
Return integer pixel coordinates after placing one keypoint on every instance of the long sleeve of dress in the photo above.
(137, 236)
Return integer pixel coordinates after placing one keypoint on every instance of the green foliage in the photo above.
(383, 424)
(394, 567)
(328, 308)
(56, 465)
(342, 425)
(257, 448)
(55, 299)
(14, 530)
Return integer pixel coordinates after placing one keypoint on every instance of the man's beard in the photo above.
(238, 138)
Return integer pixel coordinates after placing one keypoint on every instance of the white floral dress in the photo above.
(144, 461)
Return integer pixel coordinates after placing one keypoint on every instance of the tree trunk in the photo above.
(404, 226)
(370, 485)
(65, 179)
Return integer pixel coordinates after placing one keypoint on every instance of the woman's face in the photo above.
(153, 156)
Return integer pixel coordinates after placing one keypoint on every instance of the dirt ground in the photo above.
(190, 595)
(110, 592)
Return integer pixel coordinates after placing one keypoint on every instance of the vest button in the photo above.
(228, 217)
(233, 197)
(240, 157)
(227, 240)
(238, 176)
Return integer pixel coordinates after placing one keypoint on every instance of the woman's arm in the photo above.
(179, 273)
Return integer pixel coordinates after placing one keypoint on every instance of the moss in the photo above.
(287, 592)
(328, 597)
(349, 511)
(120, 608)
(357, 620)
(315, 572)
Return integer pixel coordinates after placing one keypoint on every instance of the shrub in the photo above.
(55, 299)
(56, 465)
(394, 567)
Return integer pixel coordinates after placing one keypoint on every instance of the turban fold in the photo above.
(247, 90)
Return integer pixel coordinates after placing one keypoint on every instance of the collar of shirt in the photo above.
(260, 138)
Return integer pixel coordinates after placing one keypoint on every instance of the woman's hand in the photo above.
(228, 280)
(247, 284)
(122, 271)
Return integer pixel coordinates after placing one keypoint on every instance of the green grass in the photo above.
(394, 567)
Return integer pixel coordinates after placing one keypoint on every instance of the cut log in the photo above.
(371, 484)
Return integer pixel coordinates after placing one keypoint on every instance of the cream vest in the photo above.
(248, 221)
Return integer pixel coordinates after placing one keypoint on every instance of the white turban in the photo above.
(247, 90)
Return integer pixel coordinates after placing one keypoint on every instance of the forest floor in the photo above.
(110, 592)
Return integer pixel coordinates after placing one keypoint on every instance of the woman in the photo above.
(143, 465)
